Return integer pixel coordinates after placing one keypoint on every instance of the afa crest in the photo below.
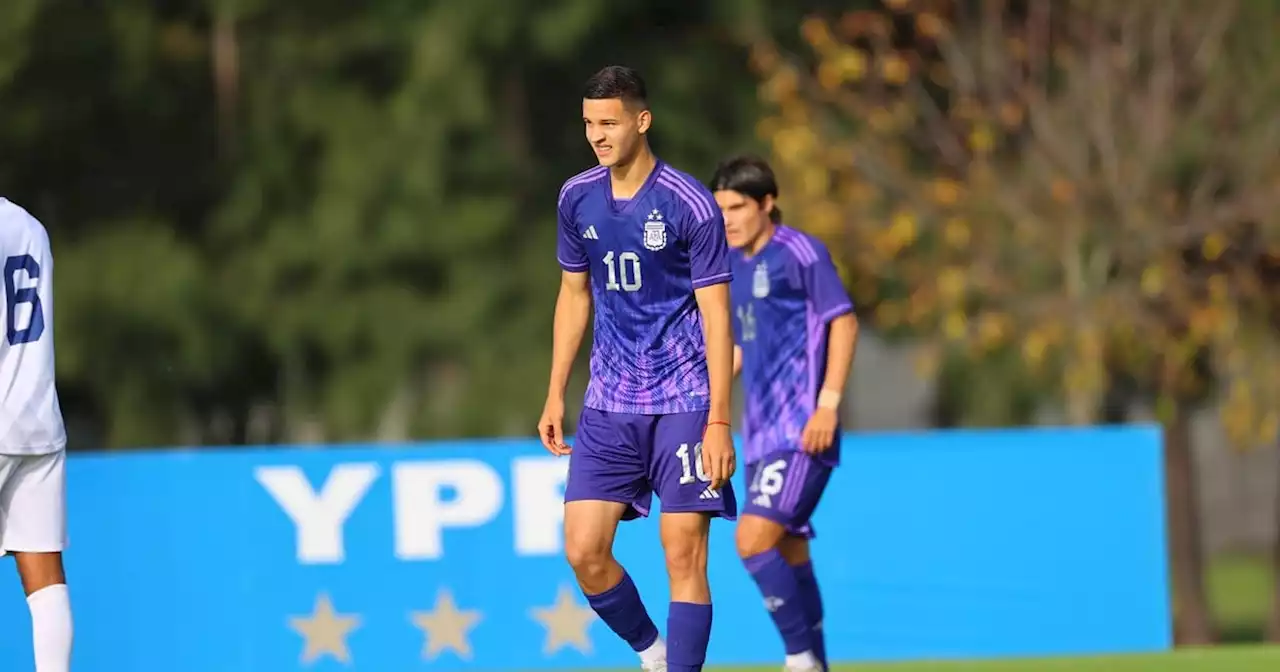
(760, 281)
(655, 232)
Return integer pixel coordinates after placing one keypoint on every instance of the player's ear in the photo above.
(767, 204)
(644, 119)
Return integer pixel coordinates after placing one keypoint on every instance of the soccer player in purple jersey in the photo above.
(796, 334)
(646, 243)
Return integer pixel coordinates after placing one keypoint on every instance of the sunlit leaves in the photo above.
(848, 65)
(895, 69)
(1008, 184)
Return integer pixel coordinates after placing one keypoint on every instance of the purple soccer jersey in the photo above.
(784, 299)
(645, 256)
(646, 407)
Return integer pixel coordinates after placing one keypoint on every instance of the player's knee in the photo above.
(686, 559)
(684, 541)
(756, 535)
(794, 549)
(588, 540)
(587, 554)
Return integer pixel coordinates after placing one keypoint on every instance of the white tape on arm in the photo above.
(829, 399)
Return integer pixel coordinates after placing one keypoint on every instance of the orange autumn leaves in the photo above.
(1061, 183)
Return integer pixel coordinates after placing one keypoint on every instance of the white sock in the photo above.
(51, 628)
(656, 653)
(802, 661)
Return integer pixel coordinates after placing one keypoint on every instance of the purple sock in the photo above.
(811, 598)
(778, 584)
(688, 633)
(621, 609)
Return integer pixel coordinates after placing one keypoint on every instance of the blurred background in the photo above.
(287, 222)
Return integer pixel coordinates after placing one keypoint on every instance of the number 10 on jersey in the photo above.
(623, 271)
(691, 464)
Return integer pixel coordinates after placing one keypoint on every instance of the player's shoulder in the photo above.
(687, 193)
(806, 249)
(578, 185)
(18, 225)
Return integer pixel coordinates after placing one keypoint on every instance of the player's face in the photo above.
(614, 130)
(745, 218)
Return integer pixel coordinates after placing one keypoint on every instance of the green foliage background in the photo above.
(289, 221)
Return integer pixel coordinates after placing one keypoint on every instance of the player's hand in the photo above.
(718, 458)
(819, 432)
(550, 427)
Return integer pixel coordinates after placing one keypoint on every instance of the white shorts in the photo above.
(33, 503)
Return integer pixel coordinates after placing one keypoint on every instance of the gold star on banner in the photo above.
(566, 623)
(325, 631)
(445, 627)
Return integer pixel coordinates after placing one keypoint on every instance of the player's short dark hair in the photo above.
(617, 81)
(750, 176)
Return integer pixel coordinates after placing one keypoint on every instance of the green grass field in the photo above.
(1226, 659)
(1235, 659)
(1240, 590)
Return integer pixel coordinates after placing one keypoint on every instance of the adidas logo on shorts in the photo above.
(709, 494)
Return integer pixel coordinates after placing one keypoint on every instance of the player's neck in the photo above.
(766, 234)
(626, 179)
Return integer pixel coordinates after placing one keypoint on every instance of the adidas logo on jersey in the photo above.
(773, 603)
(709, 494)
(590, 233)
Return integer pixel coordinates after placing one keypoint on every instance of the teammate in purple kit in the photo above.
(647, 243)
(796, 334)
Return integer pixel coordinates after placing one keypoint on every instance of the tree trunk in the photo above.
(1192, 621)
(1273, 628)
(1082, 407)
(226, 78)
(518, 129)
(397, 415)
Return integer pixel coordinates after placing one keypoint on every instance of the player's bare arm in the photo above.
(573, 310)
(842, 342)
(717, 446)
(737, 360)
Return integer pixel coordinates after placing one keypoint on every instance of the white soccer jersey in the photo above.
(30, 417)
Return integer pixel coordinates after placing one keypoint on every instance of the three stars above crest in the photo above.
(445, 627)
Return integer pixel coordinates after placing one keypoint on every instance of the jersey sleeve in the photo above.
(823, 286)
(570, 251)
(708, 251)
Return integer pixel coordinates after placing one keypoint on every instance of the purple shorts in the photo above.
(621, 457)
(785, 487)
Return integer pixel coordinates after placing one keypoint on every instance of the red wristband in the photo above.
(718, 422)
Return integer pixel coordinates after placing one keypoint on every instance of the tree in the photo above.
(101, 136)
(1068, 180)
(388, 234)
(289, 221)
